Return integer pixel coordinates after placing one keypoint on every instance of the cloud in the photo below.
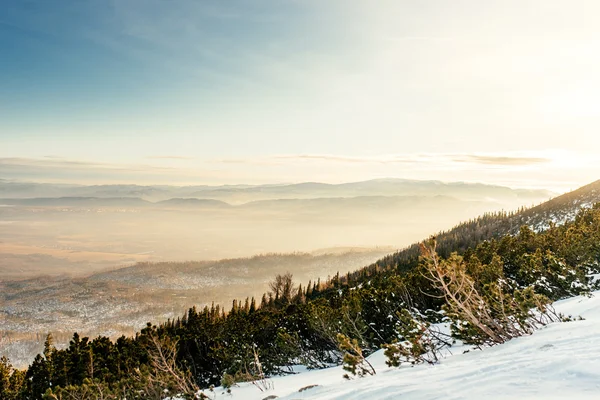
(75, 171)
(230, 43)
(502, 160)
(506, 160)
(169, 158)
(64, 163)
(47, 161)
(332, 158)
(277, 168)
(327, 158)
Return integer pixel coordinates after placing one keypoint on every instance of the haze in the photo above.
(77, 230)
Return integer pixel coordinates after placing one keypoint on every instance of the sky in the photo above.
(264, 91)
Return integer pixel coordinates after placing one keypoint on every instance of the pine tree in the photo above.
(354, 361)
(264, 303)
(12, 381)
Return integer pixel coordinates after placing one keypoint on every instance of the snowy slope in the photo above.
(559, 361)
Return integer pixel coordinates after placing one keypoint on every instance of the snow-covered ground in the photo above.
(559, 361)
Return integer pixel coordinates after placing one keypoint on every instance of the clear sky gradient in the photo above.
(199, 91)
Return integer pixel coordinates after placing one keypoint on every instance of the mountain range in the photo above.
(238, 194)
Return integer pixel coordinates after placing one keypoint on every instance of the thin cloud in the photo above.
(67, 164)
(424, 159)
(281, 167)
(169, 158)
(64, 170)
(502, 160)
(326, 157)
(48, 161)
(329, 158)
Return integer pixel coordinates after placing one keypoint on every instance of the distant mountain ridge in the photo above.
(239, 194)
(76, 201)
(193, 202)
(357, 202)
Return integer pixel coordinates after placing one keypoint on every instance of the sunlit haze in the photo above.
(208, 92)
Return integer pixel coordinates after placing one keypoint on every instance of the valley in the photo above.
(82, 235)
(121, 301)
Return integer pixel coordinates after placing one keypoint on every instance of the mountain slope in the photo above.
(562, 208)
(559, 210)
(558, 362)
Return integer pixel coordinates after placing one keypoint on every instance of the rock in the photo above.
(307, 387)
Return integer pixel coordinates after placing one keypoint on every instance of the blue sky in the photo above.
(198, 91)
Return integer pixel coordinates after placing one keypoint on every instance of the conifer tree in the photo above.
(354, 361)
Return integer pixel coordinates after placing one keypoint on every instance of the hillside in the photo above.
(561, 361)
(121, 301)
(558, 210)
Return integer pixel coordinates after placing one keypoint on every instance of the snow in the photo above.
(562, 360)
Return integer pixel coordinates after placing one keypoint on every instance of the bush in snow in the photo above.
(419, 341)
(354, 361)
(483, 313)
